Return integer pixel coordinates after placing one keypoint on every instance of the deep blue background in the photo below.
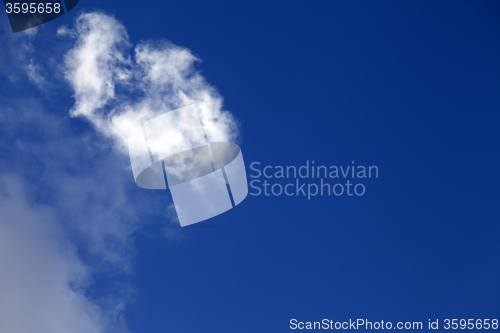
(412, 87)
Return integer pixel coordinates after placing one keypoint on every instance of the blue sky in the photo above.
(411, 87)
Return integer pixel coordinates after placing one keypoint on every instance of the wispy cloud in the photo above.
(64, 215)
(116, 89)
(18, 51)
(42, 280)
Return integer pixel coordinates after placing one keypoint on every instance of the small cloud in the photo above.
(34, 74)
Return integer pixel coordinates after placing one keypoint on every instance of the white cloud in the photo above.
(96, 62)
(159, 77)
